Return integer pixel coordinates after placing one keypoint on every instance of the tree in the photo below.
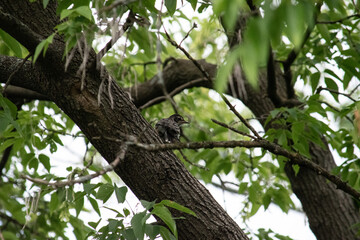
(272, 46)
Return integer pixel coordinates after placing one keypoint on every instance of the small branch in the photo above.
(336, 92)
(233, 129)
(187, 34)
(339, 20)
(225, 188)
(352, 91)
(14, 72)
(171, 94)
(197, 64)
(81, 179)
(243, 120)
(335, 109)
(191, 163)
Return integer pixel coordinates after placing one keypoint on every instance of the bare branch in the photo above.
(197, 64)
(233, 129)
(191, 163)
(243, 120)
(172, 93)
(336, 92)
(14, 72)
(187, 34)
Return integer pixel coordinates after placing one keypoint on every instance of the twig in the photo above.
(14, 72)
(197, 64)
(337, 110)
(243, 120)
(172, 93)
(352, 91)
(187, 34)
(339, 20)
(81, 179)
(336, 92)
(223, 187)
(191, 163)
(233, 129)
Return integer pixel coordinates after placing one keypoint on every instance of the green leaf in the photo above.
(177, 206)
(333, 86)
(152, 230)
(147, 205)
(193, 3)
(38, 143)
(11, 43)
(42, 47)
(79, 202)
(120, 193)
(295, 16)
(45, 161)
(54, 202)
(314, 80)
(94, 224)
(88, 187)
(164, 214)
(138, 224)
(105, 191)
(45, 3)
(84, 11)
(171, 6)
(95, 205)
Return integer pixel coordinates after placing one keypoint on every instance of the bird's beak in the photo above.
(184, 122)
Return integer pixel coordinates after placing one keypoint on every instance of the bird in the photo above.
(169, 128)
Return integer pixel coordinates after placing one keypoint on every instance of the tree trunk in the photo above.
(110, 122)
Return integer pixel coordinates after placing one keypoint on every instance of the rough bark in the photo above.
(151, 176)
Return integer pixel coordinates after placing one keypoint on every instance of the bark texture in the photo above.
(106, 124)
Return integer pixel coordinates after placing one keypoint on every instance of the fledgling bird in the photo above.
(169, 128)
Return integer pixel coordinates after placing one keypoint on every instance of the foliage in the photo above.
(328, 59)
